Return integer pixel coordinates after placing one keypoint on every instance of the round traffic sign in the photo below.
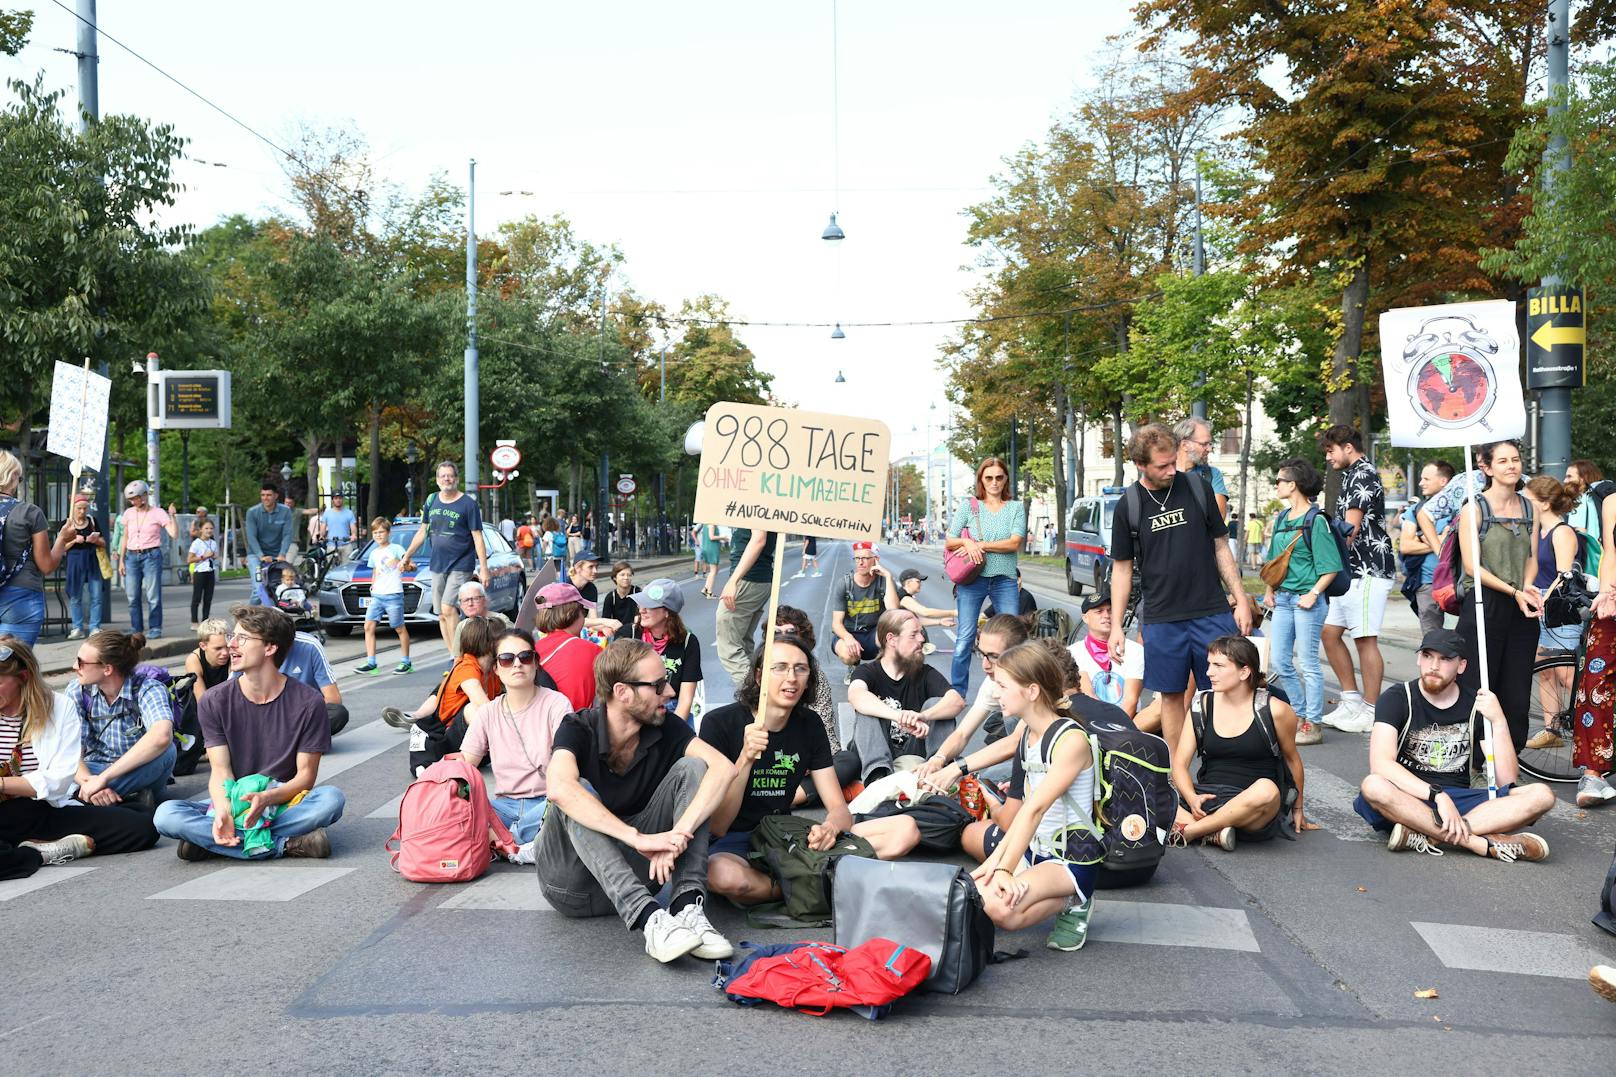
(626, 486)
(505, 457)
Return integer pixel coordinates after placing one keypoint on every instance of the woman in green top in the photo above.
(1298, 603)
(997, 528)
(1511, 603)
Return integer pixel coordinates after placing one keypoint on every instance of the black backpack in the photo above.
(1265, 722)
(780, 850)
(1134, 801)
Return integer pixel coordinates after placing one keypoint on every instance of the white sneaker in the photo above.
(667, 938)
(1344, 712)
(1361, 720)
(523, 854)
(1593, 791)
(714, 947)
(63, 850)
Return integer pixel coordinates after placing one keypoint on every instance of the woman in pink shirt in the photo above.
(515, 730)
(140, 556)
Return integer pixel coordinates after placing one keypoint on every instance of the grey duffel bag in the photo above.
(934, 908)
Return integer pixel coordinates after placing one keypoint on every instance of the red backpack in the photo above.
(817, 977)
(443, 825)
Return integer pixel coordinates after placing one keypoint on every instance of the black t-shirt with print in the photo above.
(793, 753)
(1437, 749)
(682, 661)
(1177, 561)
(862, 605)
(909, 694)
(1370, 554)
(625, 795)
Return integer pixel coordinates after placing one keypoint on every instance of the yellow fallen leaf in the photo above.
(1363, 889)
(1426, 992)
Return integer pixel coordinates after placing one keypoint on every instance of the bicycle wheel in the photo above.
(1553, 686)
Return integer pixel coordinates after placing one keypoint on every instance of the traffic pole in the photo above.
(470, 480)
(1554, 404)
(89, 61)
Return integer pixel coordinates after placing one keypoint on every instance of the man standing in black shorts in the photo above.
(865, 593)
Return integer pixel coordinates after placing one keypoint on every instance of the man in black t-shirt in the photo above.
(889, 695)
(865, 593)
(1425, 745)
(1169, 522)
(641, 818)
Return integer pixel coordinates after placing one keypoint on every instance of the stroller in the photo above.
(295, 592)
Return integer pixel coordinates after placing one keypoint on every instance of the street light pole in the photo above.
(1554, 404)
(469, 478)
(931, 524)
(662, 475)
(89, 113)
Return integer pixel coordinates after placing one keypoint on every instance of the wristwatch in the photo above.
(965, 768)
(1435, 791)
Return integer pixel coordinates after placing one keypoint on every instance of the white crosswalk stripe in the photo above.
(1328, 802)
(1497, 949)
(1154, 923)
(502, 891)
(47, 876)
(253, 882)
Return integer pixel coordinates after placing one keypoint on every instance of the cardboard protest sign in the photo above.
(1452, 374)
(78, 414)
(803, 472)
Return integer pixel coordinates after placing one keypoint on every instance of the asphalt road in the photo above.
(1302, 957)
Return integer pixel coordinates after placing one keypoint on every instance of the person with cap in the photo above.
(140, 557)
(270, 531)
(1423, 750)
(563, 654)
(585, 567)
(863, 595)
(909, 581)
(658, 625)
(1104, 677)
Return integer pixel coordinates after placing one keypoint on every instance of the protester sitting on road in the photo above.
(261, 723)
(631, 794)
(127, 724)
(1119, 683)
(386, 560)
(889, 694)
(772, 762)
(1311, 563)
(790, 621)
(39, 757)
(472, 598)
(1024, 878)
(1426, 742)
(306, 663)
(861, 597)
(909, 583)
(657, 624)
(470, 682)
(1241, 788)
(515, 731)
(995, 637)
(567, 658)
(210, 662)
(997, 526)
(618, 605)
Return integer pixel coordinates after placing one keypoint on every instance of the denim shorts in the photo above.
(736, 843)
(392, 605)
(1465, 799)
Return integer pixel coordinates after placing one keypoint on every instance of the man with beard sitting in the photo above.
(890, 693)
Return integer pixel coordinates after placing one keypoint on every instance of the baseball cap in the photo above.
(660, 594)
(910, 574)
(136, 488)
(586, 554)
(559, 594)
(1443, 641)
(863, 547)
(1095, 600)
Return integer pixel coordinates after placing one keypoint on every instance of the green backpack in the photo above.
(780, 849)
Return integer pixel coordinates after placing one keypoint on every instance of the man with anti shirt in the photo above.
(890, 694)
(455, 523)
(1423, 750)
(863, 595)
(1109, 681)
(1170, 523)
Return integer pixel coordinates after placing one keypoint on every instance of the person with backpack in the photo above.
(861, 597)
(27, 556)
(127, 722)
(515, 732)
(1193, 593)
(1425, 751)
(1025, 877)
(1302, 561)
(1245, 740)
(1360, 516)
(265, 723)
(1505, 570)
(630, 797)
(773, 759)
(987, 531)
(1585, 517)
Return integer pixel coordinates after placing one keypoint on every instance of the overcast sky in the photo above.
(698, 137)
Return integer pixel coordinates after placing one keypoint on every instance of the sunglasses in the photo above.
(993, 478)
(657, 685)
(7, 652)
(515, 658)
(78, 663)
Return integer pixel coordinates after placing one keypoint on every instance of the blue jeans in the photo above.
(1298, 630)
(22, 613)
(152, 774)
(76, 604)
(968, 599)
(144, 580)
(521, 816)
(188, 820)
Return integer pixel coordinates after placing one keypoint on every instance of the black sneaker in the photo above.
(187, 851)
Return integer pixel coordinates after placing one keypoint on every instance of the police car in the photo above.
(1088, 539)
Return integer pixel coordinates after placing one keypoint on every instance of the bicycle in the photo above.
(1552, 763)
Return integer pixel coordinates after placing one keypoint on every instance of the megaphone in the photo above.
(693, 437)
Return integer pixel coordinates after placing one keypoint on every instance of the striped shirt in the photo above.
(16, 754)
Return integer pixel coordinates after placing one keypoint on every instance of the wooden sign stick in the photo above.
(768, 630)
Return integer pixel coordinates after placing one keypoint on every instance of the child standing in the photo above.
(386, 561)
(204, 561)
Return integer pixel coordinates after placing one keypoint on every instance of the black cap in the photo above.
(1095, 600)
(910, 574)
(1443, 641)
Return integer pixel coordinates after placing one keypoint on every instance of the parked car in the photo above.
(346, 594)
(1088, 540)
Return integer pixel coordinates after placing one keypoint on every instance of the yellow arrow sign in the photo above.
(1548, 335)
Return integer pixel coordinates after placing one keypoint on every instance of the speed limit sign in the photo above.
(626, 485)
(506, 456)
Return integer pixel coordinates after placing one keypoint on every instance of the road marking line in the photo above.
(1498, 949)
(358, 745)
(504, 891)
(1328, 802)
(1152, 923)
(388, 810)
(252, 882)
(46, 876)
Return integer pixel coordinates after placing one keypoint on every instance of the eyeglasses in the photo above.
(656, 686)
(781, 669)
(240, 637)
(1202, 444)
(515, 658)
(991, 656)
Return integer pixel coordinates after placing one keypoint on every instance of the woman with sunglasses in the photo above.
(1297, 603)
(469, 683)
(40, 822)
(988, 529)
(515, 731)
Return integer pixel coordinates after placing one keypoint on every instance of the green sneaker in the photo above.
(405, 666)
(1071, 927)
(369, 666)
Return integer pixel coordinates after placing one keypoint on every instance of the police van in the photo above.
(1088, 539)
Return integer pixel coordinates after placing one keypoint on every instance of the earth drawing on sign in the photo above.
(1453, 387)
